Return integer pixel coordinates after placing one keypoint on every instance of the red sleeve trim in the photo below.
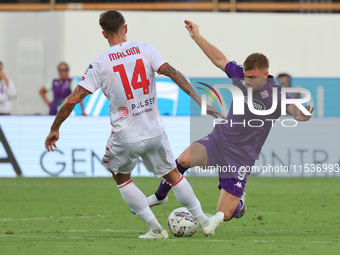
(85, 89)
(161, 66)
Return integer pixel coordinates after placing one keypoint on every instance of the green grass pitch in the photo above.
(88, 216)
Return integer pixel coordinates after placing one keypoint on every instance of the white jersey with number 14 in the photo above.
(126, 75)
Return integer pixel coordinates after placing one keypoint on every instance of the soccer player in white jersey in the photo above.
(126, 75)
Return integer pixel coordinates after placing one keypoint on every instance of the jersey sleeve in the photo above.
(91, 81)
(233, 70)
(156, 59)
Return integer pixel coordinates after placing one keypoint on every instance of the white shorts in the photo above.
(156, 154)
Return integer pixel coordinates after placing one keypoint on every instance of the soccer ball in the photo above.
(182, 223)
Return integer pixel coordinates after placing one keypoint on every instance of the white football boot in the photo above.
(214, 221)
(152, 201)
(152, 235)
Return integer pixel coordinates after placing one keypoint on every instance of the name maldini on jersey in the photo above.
(123, 54)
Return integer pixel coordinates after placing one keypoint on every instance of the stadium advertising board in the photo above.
(309, 149)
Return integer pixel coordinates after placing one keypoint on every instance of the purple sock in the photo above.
(164, 187)
(237, 210)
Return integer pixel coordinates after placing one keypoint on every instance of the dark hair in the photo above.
(284, 75)
(111, 21)
(281, 75)
(63, 63)
(256, 60)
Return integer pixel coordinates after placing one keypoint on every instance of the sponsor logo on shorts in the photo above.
(123, 111)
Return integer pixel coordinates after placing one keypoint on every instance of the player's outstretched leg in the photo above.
(164, 187)
(136, 199)
(185, 195)
(161, 195)
(232, 206)
(194, 155)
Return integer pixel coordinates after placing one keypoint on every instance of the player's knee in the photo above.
(184, 161)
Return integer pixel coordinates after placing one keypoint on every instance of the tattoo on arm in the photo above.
(67, 106)
(62, 115)
(180, 80)
(81, 92)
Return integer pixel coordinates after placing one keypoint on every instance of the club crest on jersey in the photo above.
(89, 67)
(264, 94)
(123, 111)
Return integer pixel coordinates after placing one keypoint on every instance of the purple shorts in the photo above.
(233, 169)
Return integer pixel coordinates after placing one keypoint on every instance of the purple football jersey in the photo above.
(239, 135)
(61, 90)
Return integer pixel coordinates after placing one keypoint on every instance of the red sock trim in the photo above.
(178, 181)
(128, 182)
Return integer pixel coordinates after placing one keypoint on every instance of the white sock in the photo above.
(185, 195)
(136, 199)
(155, 226)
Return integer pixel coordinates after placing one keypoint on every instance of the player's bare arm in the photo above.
(214, 54)
(186, 86)
(65, 110)
(68, 105)
(298, 114)
(42, 93)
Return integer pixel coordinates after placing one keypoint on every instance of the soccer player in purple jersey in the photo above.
(234, 146)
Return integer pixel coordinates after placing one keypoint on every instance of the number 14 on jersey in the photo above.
(139, 71)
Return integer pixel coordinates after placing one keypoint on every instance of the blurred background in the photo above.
(300, 38)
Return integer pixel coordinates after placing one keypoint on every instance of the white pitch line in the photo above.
(104, 230)
(58, 218)
(172, 239)
(265, 230)
(72, 217)
(84, 230)
(222, 230)
(138, 230)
